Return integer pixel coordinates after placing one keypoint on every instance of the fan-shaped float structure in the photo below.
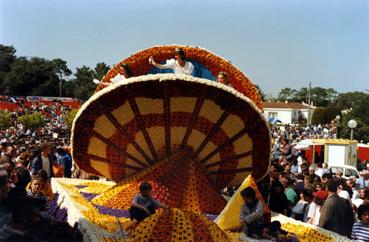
(207, 65)
(189, 136)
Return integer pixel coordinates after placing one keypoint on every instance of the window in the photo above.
(272, 115)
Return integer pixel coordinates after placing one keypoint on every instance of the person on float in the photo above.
(222, 77)
(143, 204)
(125, 72)
(179, 64)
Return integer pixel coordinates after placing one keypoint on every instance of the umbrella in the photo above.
(189, 137)
(274, 120)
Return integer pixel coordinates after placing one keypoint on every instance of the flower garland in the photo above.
(307, 232)
(94, 225)
(140, 66)
(178, 225)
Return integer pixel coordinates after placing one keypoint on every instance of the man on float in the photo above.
(178, 64)
(124, 73)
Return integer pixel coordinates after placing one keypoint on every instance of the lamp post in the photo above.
(338, 122)
(352, 125)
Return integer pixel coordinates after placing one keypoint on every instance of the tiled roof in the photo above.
(292, 105)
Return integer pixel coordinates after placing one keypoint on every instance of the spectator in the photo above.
(300, 209)
(360, 230)
(277, 200)
(251, 216)
(64, 159)
(44, 160)
(5, 214)
(336, 213)
(315, 207)
(363, 182)
(290, 193)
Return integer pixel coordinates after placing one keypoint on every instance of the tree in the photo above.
(5, 120)
(7, 57)
(261, 93)
(100, 70)
(348, 100)
(32, 121)
(319, 116)
(287, 94)
(34, 76)
(70, 117)
(62, 71)
(83, 85)
(359, 112)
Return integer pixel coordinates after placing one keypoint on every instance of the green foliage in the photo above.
(41, 77)
(70, 117)
(359, 112)
(32, 121)
(261, 93)
(321, 97)
(5, 120)
(319, 116)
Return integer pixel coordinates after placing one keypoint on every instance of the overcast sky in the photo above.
(277, 43)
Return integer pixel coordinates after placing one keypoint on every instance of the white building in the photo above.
(287, 113)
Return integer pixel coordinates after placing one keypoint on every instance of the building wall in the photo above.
(284, 115)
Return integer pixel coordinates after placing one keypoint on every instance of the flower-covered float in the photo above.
(189, 137)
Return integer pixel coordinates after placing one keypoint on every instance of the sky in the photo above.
(276, 43)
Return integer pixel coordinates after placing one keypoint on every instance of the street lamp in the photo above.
(338, 121)
(352, 124)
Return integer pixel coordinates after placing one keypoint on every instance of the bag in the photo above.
(58, 170)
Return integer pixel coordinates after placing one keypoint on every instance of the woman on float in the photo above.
(178, 64)
(124, 73)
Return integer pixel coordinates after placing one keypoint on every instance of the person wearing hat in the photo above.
(313, 215)
(336, 214)
(179, 64)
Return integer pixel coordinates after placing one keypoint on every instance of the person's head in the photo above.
(339, 173)
(145, 189)
(320, 197)
(277, 188)
(318, 186)
(248, 194)
(351, 183)
(287, 167)
(332, 186)
(3, 185)
(285, 182)
(126, 71)
(223, 77)
(311, 170)
(304, 168)
(36, 185)
(363, 213)
(326, 177)
(42, 174)
(307, 195)
(45, 149)
(325, 166)
(366, 195)
(20, 177)
(179, 54)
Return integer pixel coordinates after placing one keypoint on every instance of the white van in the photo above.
(347, 171)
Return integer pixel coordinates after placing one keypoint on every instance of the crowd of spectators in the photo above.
(28, 159)
(310, 192)
(293, 187)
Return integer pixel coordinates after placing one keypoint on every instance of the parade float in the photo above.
(189, 136)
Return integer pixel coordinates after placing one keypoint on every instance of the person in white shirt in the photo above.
(124, 73)
(178, 64)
